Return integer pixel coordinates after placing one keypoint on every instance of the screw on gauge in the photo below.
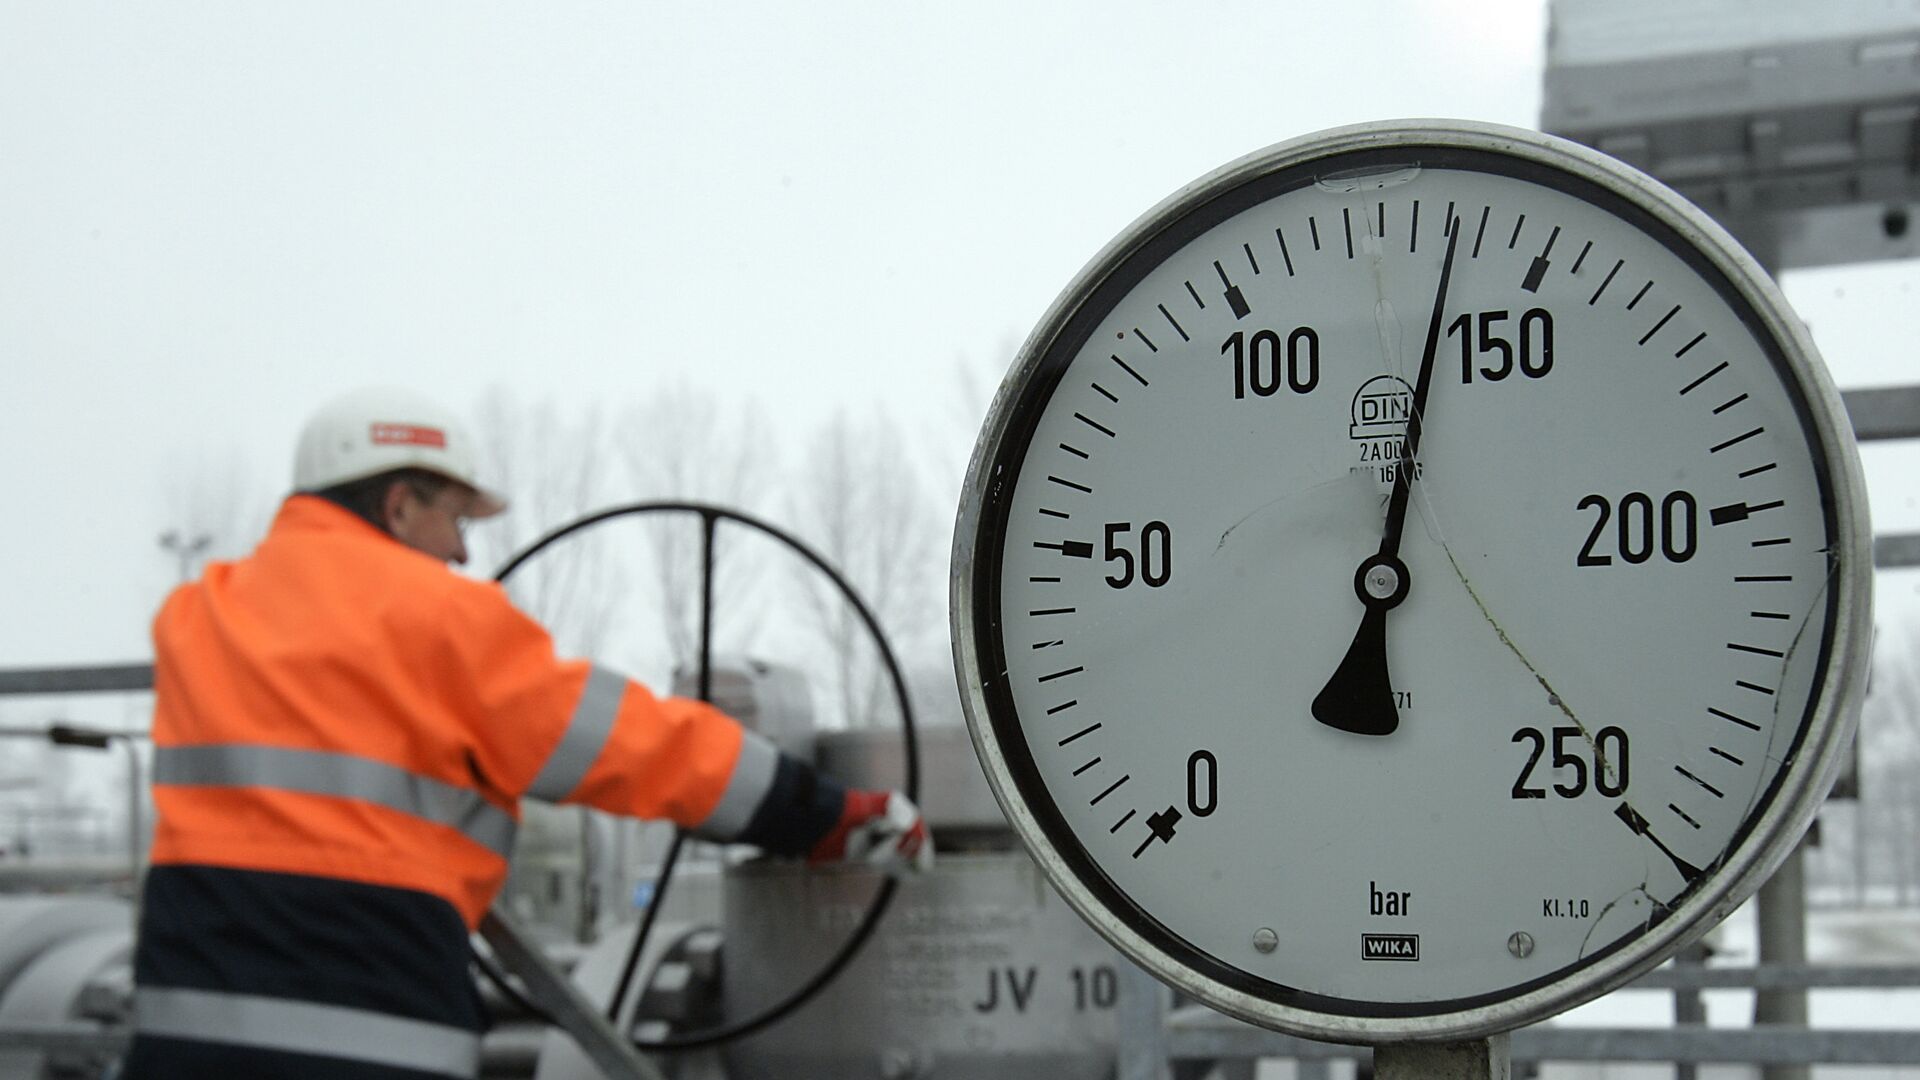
(1520, 944)
(1265, 940)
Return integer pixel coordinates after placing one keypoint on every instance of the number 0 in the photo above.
(1210, 788)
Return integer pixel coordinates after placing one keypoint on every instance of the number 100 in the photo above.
(1257, 364)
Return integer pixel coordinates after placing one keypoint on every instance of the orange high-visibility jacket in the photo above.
(343, 726)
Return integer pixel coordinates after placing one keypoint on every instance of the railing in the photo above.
(1157, 1037)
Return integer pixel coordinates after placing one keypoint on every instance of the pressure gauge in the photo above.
(1412, 578)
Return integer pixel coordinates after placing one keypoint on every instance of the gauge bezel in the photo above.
(1767, 834)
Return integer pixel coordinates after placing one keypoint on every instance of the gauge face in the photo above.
(1415, 573)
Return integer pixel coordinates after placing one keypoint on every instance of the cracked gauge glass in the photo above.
(1410, 579)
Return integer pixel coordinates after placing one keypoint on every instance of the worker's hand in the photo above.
(882, 829)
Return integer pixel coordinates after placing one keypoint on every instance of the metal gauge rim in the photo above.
(1766, 837)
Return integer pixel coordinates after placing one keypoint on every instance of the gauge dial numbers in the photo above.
(1409, 580)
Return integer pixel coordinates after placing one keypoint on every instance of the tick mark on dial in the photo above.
(1723, 407)
(1235, 299)
(1346, 220)
(1717, 752)
(1062, 674)
(1413, 230)
(1105, 393)
(1063, 707)
(1073, 549)
(1255, 263)
(1683, 771)
(1758, 469)
(1181, 330)
(1730, 718)
(1075, 451)
(1061, 514)
(1690, 387)
(1515, 238)
(1745, 685)
(1313, 226)
(1688, 347)
(1087, 766)
(1535, 272)
(1756, 650)
(1684, 816)
(1196, 296)
(1580, 258)
(1145, 340)
(1762, 577)
(1111, 788)
(1648, 336)
(1142, 379)
(1094, 424)
(1117, 825)
(1482, 232)
(1278, 235)
(1051, 611)
(1772, 542)
(1070, 484)
(1736, 440)
(1088, 730)
(1740, 511)
(1595, 298)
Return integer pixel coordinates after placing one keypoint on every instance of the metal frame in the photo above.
(1778, 826)
(1160, 1038)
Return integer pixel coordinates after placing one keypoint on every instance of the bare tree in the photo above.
(863, 505)
(551, 467)
(679, 445)
(972, 383)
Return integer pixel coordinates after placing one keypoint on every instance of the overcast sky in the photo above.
(213, 218)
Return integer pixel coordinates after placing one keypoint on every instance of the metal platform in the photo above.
(1792, 123)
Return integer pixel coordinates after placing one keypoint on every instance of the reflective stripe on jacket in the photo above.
(354, 1037)
(341, 705)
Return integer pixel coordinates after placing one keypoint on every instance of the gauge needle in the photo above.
(1359, 695)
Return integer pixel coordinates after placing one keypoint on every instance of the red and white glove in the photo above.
(881, 829)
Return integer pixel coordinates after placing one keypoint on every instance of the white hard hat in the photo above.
(379, 429)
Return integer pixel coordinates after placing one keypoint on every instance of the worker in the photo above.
(343, 731)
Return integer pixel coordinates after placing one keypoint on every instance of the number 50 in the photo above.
(1155, 558)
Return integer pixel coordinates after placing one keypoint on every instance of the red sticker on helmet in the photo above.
(408, 435)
